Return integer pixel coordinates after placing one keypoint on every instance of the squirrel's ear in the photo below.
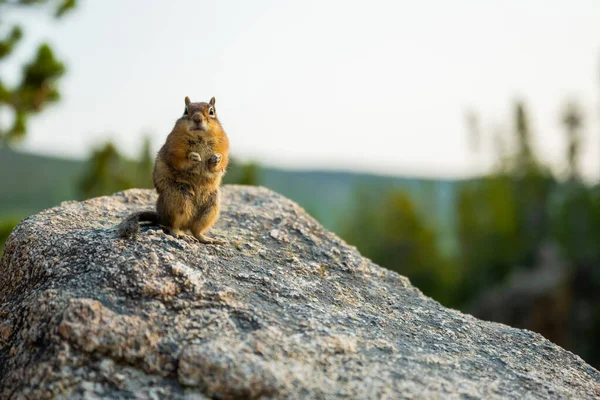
(212, 101)
(187, 101)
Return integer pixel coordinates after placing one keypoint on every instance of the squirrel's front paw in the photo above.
(215, 159)
(194, 156)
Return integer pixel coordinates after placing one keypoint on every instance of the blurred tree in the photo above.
(474, 131)
(249, 174)
(145, 166)
(572, 119)
(503, 218)
(361, 225)
(38, 85)
(576, 224)
(107, 172)
(391, 232)
(6, 227)
(240, 173)
(474, 138)
(532, 186)
(488, 233)
(499, 149)
(525, 155)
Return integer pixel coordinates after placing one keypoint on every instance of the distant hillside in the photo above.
(30, 183)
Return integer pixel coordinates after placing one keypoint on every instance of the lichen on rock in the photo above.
(284, 310)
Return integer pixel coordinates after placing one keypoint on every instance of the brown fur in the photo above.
(188, 172)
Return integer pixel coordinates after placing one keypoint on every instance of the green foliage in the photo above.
(576, 227)
(525, 155)
(108, 171)
(504, 217)
(239, 173)
(64, 6)
(391, 232)
(60, 7)
(572, 119)
(145, 166)
(38, 86)
(576, 224)
(488, 232)
(249, 174)
(8, 44)
(6, 227)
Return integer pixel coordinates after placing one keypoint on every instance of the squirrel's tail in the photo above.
(131, 225)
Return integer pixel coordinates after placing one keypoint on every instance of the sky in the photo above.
(379, 86)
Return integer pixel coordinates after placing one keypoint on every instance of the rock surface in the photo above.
(284, 310)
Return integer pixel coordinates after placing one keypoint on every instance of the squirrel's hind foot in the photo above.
(208, 240)
(181, 235)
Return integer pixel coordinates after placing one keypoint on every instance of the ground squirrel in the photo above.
(187, 175)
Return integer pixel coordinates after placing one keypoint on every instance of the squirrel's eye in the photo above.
(185, 112)
(211, 111)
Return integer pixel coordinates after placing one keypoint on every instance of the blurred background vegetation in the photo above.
(518, 245)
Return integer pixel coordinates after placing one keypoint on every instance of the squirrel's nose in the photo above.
(197, 118)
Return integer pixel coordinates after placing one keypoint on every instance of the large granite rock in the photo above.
(285, 310)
